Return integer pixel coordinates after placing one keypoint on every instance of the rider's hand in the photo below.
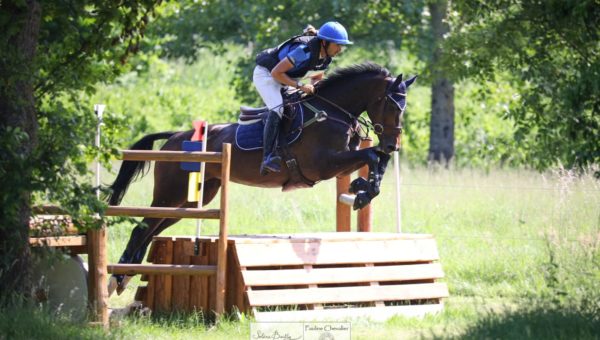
(307, 88)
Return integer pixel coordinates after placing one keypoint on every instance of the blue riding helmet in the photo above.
(333, 31)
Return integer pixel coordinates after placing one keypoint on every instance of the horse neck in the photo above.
(354, 96)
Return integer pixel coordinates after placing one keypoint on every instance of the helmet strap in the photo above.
(326, 47)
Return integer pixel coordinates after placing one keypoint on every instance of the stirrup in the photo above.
(271, 164)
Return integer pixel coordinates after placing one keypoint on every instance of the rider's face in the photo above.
(333, 49)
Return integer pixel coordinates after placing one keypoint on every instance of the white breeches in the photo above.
(269, 89)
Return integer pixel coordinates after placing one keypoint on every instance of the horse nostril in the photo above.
(391, 148)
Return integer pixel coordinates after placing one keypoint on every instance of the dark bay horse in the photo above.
(326, 149)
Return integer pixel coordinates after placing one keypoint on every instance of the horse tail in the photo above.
(131, 170)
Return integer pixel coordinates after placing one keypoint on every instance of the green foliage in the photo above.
(170, 95)
(550, 50)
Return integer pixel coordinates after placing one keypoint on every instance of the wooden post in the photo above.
(222, 246)
(365, 215)
(342, 211)
(98, 283)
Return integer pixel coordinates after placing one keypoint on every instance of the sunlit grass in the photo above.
(493, 229)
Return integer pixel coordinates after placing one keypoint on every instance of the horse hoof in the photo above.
(112, 285)
(121, 287)
(362, 200)
(359, 184)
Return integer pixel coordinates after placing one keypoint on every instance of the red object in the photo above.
(199, 126)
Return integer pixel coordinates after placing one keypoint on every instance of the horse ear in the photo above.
(410, 81)
(397, 81)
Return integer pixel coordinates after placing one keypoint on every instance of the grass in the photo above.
(520, 250)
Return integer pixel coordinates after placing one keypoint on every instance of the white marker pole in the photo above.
(99, 109)
(398, 211)
(202, 168)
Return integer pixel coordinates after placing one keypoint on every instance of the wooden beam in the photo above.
(60, 241)
(98, 277)
(378, 314)
(170, 156)
(302, 296)
(161, 212)
(161, 269)
(345, 275)
(222, 245)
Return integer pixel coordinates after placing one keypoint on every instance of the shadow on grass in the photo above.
(536, 323)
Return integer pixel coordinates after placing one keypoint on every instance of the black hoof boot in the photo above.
(362, 200)
(359, 184)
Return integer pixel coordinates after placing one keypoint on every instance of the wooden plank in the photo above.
(262, 254)
(164, 283)
(171, 156)
(161, 269)
(162, 212)
(182, 251)
(150, 292)
(284, 277)
(58, 241)
(378, 314)
(322, 237)
(141, 293)
(213, 253)
(221, 279)
(278, 297)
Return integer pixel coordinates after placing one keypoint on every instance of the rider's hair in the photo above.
(310, 30)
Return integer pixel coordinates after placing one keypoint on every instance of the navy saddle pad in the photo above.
(250, 136)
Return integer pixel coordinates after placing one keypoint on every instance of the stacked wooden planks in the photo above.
(306, 277)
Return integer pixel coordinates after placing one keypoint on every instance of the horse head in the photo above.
(387, 112)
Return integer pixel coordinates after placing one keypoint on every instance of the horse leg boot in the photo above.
(271, 162)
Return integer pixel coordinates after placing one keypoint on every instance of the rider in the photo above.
(285, 65)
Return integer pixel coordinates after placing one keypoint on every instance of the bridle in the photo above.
(359, 122)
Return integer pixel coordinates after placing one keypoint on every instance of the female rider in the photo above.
(283, 66)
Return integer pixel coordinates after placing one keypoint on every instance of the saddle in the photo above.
(249, 133)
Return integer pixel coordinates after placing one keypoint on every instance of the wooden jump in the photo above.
(94, 242)
(304, 277)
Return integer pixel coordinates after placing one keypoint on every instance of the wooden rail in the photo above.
(171, 156)
(163, 212)
(161, 269)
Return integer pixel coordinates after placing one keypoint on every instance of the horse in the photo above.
(327, 148)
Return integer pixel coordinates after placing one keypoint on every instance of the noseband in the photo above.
(379, 129)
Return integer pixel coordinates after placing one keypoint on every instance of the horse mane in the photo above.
(348, 73)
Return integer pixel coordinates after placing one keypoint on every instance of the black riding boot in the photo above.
(271, 162)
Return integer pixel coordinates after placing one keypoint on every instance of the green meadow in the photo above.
(520, 250)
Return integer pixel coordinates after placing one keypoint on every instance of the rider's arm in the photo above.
(279, 74)
(316, 78)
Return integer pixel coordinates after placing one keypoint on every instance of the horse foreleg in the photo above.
(365, 189)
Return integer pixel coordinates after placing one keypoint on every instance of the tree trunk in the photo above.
(17, 111)
(441, 139)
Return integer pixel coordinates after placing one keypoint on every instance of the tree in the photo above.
(50, 50)
(441, 138)
(550, 51)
